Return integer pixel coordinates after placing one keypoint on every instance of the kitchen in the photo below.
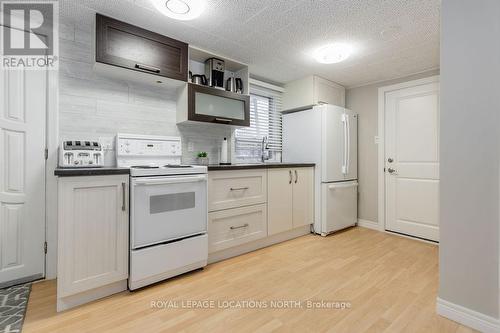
(186, 149)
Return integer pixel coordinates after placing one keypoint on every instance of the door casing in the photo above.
(51, 144)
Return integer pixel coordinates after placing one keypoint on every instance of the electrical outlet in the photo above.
(376, 139)
(107, 142)
(190, 147)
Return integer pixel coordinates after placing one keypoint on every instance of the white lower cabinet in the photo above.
(290, 198)
(303, 197)
(279, 189)
(93, 227)
(233, 227)
(247, 205)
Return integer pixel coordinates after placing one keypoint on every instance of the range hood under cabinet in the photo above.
(210, 105)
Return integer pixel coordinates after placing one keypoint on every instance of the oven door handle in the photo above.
(172, 180)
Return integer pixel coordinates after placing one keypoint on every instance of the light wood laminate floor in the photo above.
(390, 282)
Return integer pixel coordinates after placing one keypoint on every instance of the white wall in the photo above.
(469, 155)
(364, 100)
(95, 106)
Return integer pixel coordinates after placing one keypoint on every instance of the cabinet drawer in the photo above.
(124, 45)
(232, 227)
(231, 189)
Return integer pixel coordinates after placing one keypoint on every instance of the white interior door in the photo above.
(412, 161)
(22, 175)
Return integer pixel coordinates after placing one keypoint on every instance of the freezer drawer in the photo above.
(339, 205)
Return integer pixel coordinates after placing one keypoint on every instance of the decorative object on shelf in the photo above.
(203, 158)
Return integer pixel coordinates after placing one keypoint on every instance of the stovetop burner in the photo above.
(177, 166)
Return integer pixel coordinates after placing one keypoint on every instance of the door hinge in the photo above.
(46, 153)
(45, 247)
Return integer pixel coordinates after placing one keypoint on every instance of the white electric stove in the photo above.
(168, 209)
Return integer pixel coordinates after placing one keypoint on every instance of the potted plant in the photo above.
(203, 158)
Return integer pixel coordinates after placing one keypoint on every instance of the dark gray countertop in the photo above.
(259, 166)
(68, 172)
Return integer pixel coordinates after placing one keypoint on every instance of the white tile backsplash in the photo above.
(96, 107)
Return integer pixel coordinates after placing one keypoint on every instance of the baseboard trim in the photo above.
(31, 278)
(468, 317)
(368, 224)
(68, 302)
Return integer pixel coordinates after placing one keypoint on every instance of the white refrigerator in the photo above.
(328, 136)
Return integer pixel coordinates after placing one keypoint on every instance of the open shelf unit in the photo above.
(218, 106)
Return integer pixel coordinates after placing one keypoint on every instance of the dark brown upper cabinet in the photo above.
(211, 105)
(125, 45)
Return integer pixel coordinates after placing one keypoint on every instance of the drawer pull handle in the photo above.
(296, 177)
(239, 188)
(239, 227)
(290, 180)
(147, 68)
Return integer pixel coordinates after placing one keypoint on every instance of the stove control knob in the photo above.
(77, 162)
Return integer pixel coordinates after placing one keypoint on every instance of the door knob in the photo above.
(390, 160)
(391, 170)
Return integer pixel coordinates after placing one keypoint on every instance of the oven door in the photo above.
(167, 208)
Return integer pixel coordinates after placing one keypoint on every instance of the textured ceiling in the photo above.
(391, 38)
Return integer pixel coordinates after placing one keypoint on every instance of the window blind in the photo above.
(265, 121)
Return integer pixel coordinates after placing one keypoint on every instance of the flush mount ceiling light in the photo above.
(332, 53)
(180, 9)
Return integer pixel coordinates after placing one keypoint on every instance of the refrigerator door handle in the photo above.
(348, 154)
(344, 162)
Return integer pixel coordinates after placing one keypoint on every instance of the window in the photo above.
(265, 124)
